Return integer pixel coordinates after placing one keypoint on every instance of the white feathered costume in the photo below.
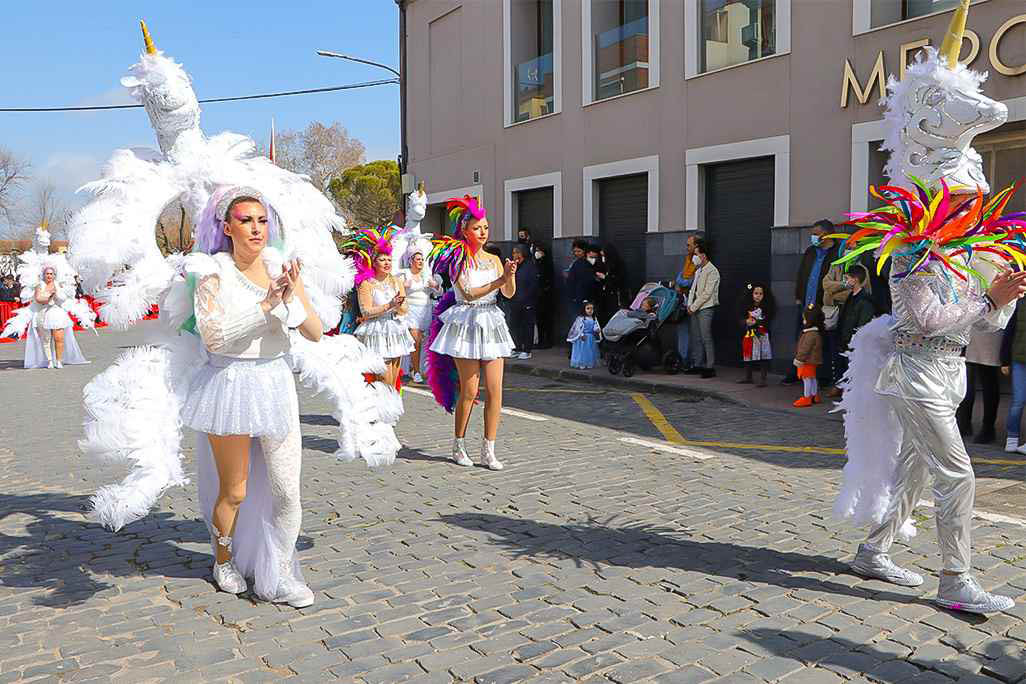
(35, 321)
(133, 409)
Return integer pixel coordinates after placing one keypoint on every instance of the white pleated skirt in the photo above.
(386, 336)
(474, 331)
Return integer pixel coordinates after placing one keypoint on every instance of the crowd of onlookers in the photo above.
(10, 290)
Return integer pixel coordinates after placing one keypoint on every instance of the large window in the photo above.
(883, 12)
(736, 31)
(532, 59)
(620, 46)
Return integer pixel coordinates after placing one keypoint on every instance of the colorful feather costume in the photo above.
(449, 255)
(364, 245)
(929, 226)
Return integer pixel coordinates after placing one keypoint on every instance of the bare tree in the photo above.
(321, 152)
(13, 174)
(45, 206)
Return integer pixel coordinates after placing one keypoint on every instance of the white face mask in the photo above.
(696, 260)
(592, 260)
(539, 255)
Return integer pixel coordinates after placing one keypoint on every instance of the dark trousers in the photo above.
(522, 321)
(543, 317)
(987, 376)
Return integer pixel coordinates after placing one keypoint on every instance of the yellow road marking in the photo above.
(656, 417)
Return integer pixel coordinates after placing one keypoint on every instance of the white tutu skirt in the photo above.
(419, 317)
(232, 396)
(473, 331)
(386, 336)
(53, 317)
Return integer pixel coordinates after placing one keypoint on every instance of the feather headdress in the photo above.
(450, 254)
(366, 244)
(930, 227)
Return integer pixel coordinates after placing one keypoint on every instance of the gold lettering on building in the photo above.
(974, 46)
(904, 51)
(995, 43)
(851, 81)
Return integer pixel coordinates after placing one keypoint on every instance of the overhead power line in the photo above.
(96, 108)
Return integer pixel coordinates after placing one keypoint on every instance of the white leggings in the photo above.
(811, 386)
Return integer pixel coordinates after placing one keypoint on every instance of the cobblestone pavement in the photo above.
(588, 559)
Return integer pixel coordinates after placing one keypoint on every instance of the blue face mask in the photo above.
(815, 239)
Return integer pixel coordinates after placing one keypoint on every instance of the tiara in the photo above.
(233, 193)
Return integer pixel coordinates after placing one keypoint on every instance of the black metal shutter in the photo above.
(738, 220)
(534, 211)
(623, 222)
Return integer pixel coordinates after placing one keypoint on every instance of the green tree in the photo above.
(368, 195)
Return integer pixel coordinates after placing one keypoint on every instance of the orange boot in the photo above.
(804, 402)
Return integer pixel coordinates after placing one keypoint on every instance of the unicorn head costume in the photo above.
(135, 409)
(907, 372)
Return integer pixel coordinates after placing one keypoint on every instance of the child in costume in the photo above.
(469, 334)
(950, 252)
(585, 335)
(756, 315)
(808, 355)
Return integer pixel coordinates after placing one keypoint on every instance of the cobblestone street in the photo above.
(603, 553)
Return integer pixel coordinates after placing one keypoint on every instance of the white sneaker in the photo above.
(1012, 444)
(459, 453)
(60, 365)
(488, 458)
(228, 578)
(50, 365)
(294, 593)
(963, 593)
(875, 565)
(418, 378)
(1021, 449)
(524, 356)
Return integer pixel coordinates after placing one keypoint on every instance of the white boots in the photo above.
(50, 349)
(1012, 446)
(488, 459)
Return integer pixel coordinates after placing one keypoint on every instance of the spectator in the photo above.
(1013, 361)
(522, 307)
(808, 355)
(613, 294)
(524, 238)
(683, 284)
(9, 291)
(809, 283)
(703, 299)
(545, 306)
(580, 277)
(756, 314)
(982, 362)
(857, 310)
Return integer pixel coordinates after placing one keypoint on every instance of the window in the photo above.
(533, 60)
(736, 31)
(884, 12)
(620, 47)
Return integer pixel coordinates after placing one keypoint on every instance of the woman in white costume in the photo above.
(382, 300)
(469, 328)
(420, 284)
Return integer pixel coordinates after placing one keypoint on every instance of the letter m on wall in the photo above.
(851, 81)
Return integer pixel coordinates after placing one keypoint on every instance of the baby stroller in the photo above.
(634, 341)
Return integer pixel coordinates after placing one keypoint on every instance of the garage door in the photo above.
(739, 218)
(623, 221)
(534, 211)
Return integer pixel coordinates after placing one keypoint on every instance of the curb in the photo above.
(617, 382)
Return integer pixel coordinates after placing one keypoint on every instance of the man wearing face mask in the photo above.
(809, 284)
(581, 284)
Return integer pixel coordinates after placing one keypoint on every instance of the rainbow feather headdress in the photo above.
(364, 245)
(450, 254)
(929, 227)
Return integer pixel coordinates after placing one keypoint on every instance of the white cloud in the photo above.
(115, 96)
(70, 171)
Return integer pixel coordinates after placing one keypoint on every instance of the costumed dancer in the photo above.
(584, 338)
(469, 331)
(907, 374)
(382, 298)
(237, 317)
(421, 284)
(48, 287)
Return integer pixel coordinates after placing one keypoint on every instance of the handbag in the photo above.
(831, 316)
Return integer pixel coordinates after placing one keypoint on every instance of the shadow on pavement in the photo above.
(648, 546)
(998, 658)
(64, 553)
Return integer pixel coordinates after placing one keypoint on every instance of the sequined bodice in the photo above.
(479, 276)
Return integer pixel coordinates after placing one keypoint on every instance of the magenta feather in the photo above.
(442, 377)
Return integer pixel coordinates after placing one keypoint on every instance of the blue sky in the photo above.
(73, 53)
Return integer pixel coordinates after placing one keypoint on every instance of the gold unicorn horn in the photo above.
(953, 39)
(151, 49)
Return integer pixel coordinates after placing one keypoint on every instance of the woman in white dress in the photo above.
(473, 331)
(382, 300)
(420, 283)
(244, 401)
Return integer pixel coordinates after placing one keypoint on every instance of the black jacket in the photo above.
(580, 283)
(856, 311)
(8, 294)
(527, 285)
(805, 270)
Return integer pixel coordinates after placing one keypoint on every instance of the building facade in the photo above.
(635, 122)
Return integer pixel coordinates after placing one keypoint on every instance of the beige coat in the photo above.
(705, 290)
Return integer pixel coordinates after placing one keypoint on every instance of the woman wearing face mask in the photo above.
(543, 262)
(816, 261)
(469, 331)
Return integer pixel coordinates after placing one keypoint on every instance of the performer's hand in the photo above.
(396, 302)
(1005, 370)
(290, 281)
(273, 296)
(1007, 287)
(509, 270)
